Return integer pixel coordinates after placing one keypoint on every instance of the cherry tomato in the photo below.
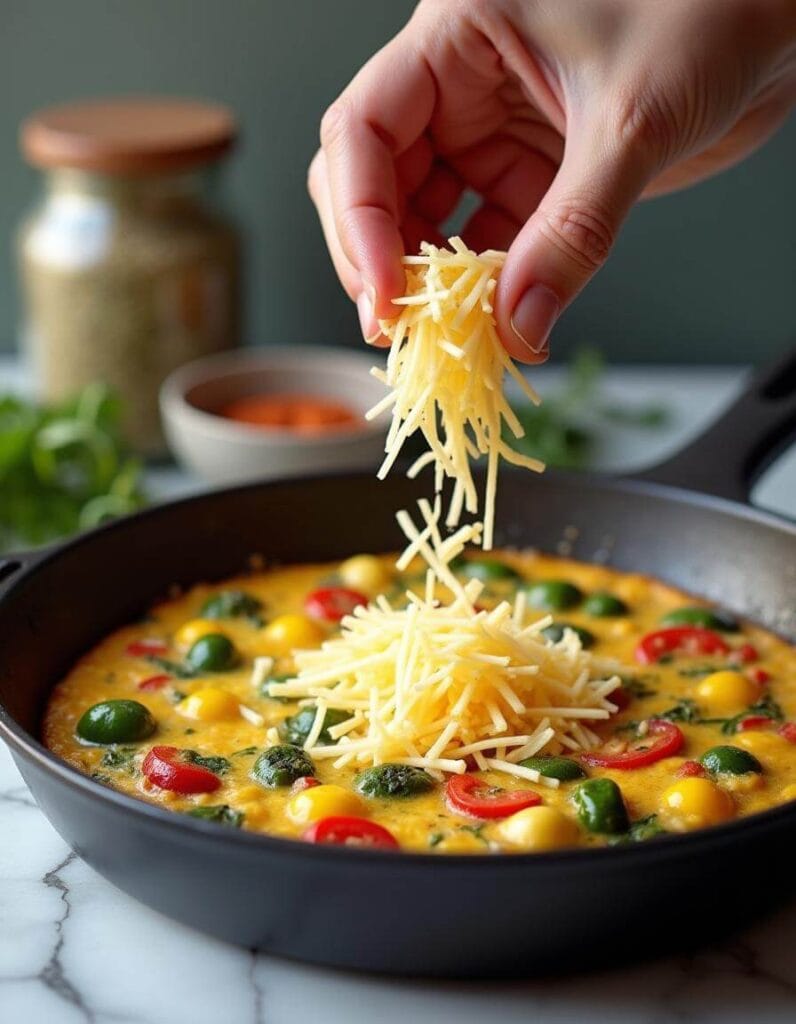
(305, 782)
(467, 794)
(759, 676)
(164, 768)
(753, 722)
(690, 770)
(146, 648)
(154, 682)
(662, 739)
(691, 640)
(744, 654)
(330, 604)
(341, 831)
(788, 730)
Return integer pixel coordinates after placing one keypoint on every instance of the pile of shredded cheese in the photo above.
(434, 683)
(445, 371)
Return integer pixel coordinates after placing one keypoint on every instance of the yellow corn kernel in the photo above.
(193, 630)
(694, 803)
(726, 692)
(364, 573)
(209, 705)
(539, 828)
(323, 802)
(461, 842)
(287, 633)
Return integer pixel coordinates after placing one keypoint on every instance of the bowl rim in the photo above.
(174, 403)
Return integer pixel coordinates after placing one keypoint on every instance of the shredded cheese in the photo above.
(434, 683)
(445, 372)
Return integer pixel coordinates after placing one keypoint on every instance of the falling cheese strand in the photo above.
(445, 371)
(433, 683)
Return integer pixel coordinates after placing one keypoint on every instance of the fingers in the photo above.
(379, 116)
(568, 238)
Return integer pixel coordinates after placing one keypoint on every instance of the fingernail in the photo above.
(367, 320)
(534, 316)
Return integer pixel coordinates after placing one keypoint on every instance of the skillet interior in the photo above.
(397, 913)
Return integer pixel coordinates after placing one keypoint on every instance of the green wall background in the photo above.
(703, 276)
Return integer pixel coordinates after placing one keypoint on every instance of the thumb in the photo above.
(567, 239)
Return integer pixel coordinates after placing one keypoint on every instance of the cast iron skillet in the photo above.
(401, 913)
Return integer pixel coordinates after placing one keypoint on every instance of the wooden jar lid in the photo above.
(135, 136)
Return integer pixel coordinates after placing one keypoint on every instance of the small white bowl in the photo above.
(224, 451)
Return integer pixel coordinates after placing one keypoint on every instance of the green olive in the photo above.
(393, 780)
(116, 721)
(297, 728)
(213, 652)
(602, 605)
(555, 633)
(728, 760)
(554, 595)
(488, 570)
(600, 806)
(562, 768)
(706, 618)
(281, 766)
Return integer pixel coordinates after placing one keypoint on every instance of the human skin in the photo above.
(560, 115)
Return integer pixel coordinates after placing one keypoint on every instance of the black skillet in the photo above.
(401, 913)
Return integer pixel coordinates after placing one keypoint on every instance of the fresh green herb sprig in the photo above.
(63, 468)
(562, 431)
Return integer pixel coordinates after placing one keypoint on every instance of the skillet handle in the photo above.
(733, 452)
(12, 565)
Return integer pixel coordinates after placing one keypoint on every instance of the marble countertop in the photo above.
(74, 949)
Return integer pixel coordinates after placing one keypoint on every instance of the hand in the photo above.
(560, 116)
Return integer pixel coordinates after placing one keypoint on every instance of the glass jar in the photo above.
(128, 266)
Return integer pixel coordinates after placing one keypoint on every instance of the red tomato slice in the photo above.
(690, 770)
(744, 654)
(330, 604)
(691, 640)
(146, 648)
(163, 767)
(788, 730)
(753, 722)
(467, 794)
(154, 682)
(340, 831)
(662, 739)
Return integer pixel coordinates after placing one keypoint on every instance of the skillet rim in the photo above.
(27, 745)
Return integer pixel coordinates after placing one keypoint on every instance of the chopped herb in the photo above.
(189, 732)
(639, 831)
(684, 710)
(695, 671)
(120, 757)
(637, 687)
(217, 765)
(174, 696)
(435, 839)
(222, 813)
(766, 707)
(101, 777)
(174, 668)
(245, 752)
(233, 604)
(476, 830)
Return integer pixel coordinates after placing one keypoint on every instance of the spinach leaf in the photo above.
(684, 710)
(217, 765)
(222, 813)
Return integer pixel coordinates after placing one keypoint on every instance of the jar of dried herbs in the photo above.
(129, 268)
